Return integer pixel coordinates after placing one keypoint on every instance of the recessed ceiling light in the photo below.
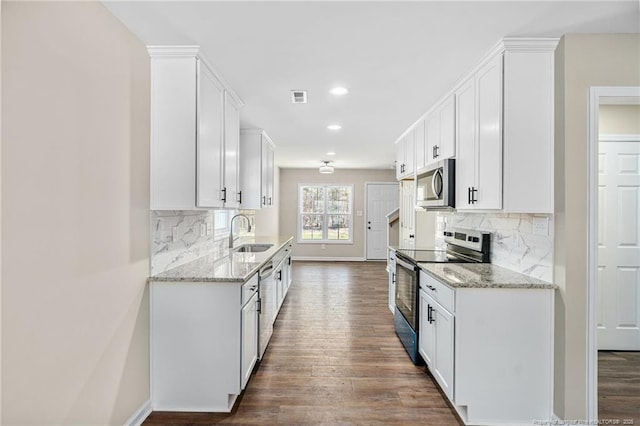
(334, 127)
(339, 91)
(331, 153)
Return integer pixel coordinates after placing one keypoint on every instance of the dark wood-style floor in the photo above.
(333, 359)
(619, 386)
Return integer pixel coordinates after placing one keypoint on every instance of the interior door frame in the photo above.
(366, 215)
(595, 94)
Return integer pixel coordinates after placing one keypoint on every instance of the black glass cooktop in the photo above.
(430, 256)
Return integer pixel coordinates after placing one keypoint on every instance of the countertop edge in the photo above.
(539, 285)
(251, 273)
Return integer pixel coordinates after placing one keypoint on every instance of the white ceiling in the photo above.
(397, 59)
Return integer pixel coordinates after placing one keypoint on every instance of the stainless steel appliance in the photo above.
(463, 246)
(436, 189)
(266, 307)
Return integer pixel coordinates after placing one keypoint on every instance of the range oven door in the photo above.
(407, 290)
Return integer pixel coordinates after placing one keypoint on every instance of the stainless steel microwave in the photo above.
(436, 187)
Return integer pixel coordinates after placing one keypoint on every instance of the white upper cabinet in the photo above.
(498, 123)
(479, 165)
(232, 153)
(421, 145)
(256, 169)
(440, 123)
(210, 149)
(528, 127)
(194, 133)
(405, 156)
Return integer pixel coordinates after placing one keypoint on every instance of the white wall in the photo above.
(619, 120)
(75, 219)
(289, 180)
(582, 61)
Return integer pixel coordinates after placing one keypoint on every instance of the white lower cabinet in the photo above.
(250, 317)
(204, 343)
(490, 350)
(436, 341)
(391, 268)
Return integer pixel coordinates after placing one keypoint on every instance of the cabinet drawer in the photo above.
(438, 291)
(249, 289)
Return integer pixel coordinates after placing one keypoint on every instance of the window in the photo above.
(325, 213)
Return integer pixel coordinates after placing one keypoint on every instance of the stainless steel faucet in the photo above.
(231, 226)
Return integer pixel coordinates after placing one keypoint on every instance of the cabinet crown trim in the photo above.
(194, 52)
(174, 51)
(260, 132)
(530, 44)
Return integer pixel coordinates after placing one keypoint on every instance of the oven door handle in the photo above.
(406, 265)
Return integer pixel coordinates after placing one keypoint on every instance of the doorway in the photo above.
(614, 253)
(382, 199)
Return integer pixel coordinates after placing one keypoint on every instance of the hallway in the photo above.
(333, 359)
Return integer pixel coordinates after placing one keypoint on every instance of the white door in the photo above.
(382, 199)
(618, 299)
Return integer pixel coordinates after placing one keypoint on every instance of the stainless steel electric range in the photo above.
(463, 246)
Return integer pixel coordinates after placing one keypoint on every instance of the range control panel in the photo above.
(469, 238)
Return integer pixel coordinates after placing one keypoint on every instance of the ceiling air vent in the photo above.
(299, 96)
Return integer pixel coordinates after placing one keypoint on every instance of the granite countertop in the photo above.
(238, 267)
(482, 275)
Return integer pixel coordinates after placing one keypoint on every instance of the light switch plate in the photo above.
(541, 225)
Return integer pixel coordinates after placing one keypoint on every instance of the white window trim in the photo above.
(299, 215)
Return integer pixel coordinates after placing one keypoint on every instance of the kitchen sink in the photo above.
(253, 248)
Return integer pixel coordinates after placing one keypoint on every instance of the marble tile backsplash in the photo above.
(179, 237)
(514, 244)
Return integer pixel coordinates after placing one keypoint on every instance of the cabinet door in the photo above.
(489, 139)
(249, 338)
(421, 146)
(466, 132)
(231, 152)
(400, 159)
(270, 176)
(209, 140)
(446, 125)
(443, 327)
(426, 337)
(433, 136)
(410, 153)
(264, 172)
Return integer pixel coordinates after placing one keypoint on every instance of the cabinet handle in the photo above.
(289, 260)
(259, 302)
(279, 275)
(224, 195)
(239, 199)
(368, 227)
(430, 317)
(437, 151)
(430, 287)
(411, 236)
(264, 200)
(393, 278)
(469, 195)
(473, 195)
(269, 200)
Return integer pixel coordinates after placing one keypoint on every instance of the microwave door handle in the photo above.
(436, 187)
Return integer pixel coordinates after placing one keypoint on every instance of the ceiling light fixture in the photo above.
(331, 153)
(326, 168)
(339, 91)
(334, 127)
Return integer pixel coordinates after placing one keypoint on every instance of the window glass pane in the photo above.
(338, 227)
(338, 199)
(312, 225)
(312, 199)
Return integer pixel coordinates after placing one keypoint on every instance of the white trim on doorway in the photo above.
(595, 95)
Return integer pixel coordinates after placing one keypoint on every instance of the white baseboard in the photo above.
(140, 414)
(328, 259)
